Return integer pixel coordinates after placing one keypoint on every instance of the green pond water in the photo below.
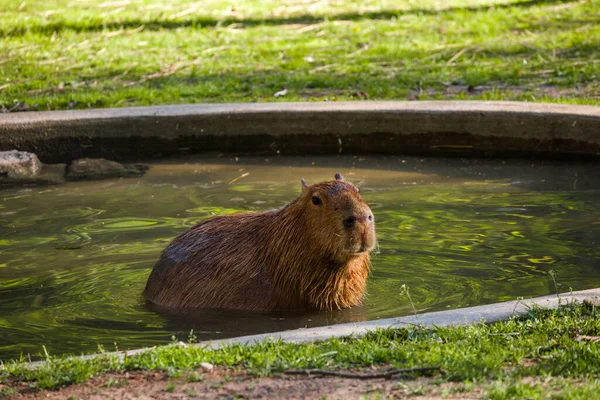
(74, 258)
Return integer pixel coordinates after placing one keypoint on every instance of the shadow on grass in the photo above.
(156, 24)
(575, 51)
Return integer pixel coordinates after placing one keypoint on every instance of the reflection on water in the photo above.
(74, 258)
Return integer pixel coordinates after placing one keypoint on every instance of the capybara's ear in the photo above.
(304, 185)
(339, 177)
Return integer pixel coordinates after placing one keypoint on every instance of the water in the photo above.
(74, 258)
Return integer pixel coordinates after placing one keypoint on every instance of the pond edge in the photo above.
(444, 128)
(488, 314)
(461, 316)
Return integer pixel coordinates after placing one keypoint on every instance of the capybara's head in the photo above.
(339, 221)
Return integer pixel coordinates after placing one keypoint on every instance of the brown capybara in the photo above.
(311, 254)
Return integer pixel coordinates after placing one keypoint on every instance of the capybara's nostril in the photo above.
(350, 221)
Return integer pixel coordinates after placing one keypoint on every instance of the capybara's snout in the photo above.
(360, 227)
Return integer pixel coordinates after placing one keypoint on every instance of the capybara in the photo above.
(311, 254)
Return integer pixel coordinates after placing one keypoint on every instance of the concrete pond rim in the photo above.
(426, 128)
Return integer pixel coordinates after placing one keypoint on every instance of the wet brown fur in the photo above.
(301, 256)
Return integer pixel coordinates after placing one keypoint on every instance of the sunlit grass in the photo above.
(78, 54)
(543, 343)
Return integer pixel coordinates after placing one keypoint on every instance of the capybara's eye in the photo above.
(316, 201)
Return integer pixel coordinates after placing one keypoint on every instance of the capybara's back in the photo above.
(311, 254)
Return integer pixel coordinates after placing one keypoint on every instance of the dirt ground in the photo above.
(226, 384)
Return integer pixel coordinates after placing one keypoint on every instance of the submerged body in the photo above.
(311, 254)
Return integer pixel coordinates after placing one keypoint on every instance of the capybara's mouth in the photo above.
(368, 244)
(362, 250)
(357, 253)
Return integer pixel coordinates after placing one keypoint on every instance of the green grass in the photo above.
(542, 345)
(95, 53)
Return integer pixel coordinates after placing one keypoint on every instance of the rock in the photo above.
(206, 366)
(19, 168)
(17, 165)
(100, 168)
